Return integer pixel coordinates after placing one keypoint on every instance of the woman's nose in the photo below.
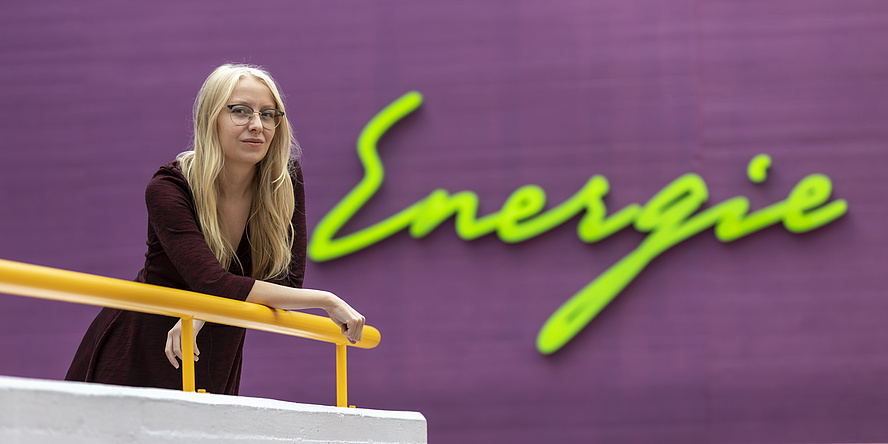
(255, 122)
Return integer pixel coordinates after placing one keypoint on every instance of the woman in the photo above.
(226, 219)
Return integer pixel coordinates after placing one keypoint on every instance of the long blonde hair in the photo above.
(270, 229)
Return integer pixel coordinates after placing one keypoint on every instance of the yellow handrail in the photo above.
(50, 283)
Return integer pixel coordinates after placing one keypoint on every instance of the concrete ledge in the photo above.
(39, 411)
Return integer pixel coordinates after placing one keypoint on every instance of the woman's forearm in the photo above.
(289, 298)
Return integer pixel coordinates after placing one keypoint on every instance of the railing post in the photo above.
(188, 354)
(341, 377)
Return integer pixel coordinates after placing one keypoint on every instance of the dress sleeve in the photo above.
(296, 274)
(172, 214)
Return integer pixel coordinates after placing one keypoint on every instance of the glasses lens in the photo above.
(271, 118)
(241, 114)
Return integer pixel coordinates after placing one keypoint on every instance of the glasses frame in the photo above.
(277, 118)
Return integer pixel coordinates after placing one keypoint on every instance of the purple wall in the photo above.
(776, 337)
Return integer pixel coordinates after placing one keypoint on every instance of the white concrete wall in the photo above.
(38, 411)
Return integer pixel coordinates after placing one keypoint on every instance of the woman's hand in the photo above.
(349, 320)
(173, 348)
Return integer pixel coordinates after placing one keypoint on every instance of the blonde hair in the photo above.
(270, 228)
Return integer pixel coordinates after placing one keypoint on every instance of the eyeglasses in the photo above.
(243, 114)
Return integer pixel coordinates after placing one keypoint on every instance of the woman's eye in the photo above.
(268, 114)
(240, 110)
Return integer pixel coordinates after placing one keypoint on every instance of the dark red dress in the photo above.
(127, 348)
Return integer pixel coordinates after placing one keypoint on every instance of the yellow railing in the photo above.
(51, 283)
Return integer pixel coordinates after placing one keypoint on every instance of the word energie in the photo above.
(669, 217)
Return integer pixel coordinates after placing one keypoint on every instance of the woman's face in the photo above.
(246, 144)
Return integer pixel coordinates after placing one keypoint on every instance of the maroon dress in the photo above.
(127, 348)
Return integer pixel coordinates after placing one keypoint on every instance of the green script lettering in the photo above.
(670, 217)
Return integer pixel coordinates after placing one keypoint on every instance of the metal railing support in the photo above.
(188, 384)
(341, 376)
